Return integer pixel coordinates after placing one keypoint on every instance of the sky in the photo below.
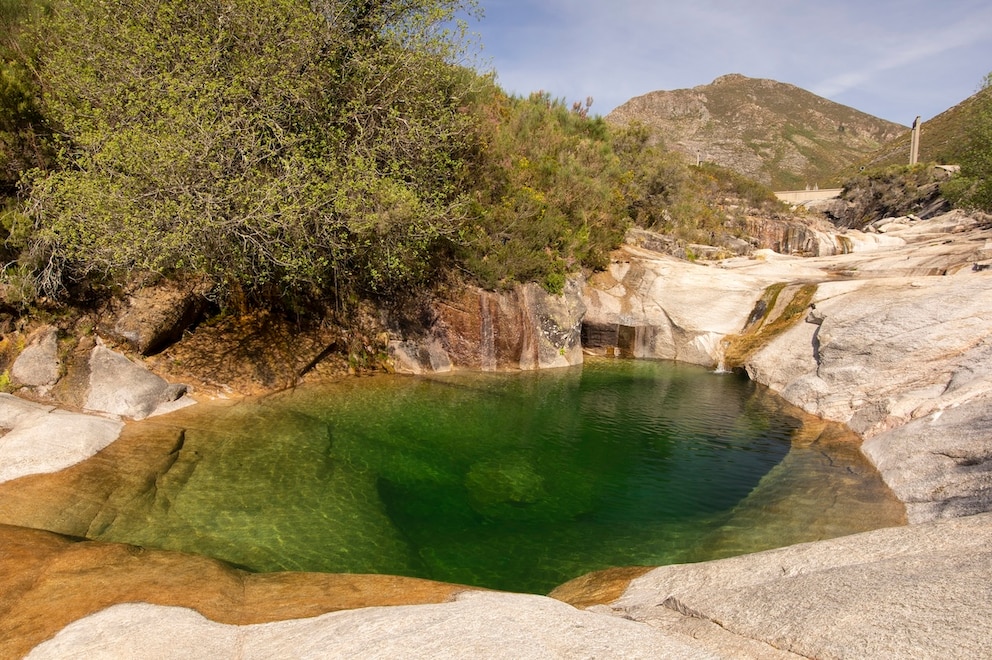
(893, 60)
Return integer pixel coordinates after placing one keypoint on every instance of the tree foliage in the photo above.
(548, 196)
(24, 136)
(281, 146)
(973, 188)
(299, 150)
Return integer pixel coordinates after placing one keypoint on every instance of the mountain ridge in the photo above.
(776, 133)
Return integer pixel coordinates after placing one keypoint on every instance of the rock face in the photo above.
(813, 240)
(526, 328)
(154, 317)
(890, 358)
(900, 338)
(472, 624)
(651, 306)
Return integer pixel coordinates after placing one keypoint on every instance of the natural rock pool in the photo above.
(515, 481)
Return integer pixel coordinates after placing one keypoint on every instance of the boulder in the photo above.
(418, 357)
(42, 439)
(121, 387)
(156, 316)
(38, 364)
(939, 465)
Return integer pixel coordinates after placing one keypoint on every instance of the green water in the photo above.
(512, 481)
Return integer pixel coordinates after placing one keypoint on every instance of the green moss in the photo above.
(739, 348)
(5, 384)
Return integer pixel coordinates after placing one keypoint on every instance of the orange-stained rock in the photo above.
(48, 581)
(526, 328)
(599, 587)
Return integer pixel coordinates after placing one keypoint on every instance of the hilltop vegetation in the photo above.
(775, 133)
(944, 138)
(296, 153)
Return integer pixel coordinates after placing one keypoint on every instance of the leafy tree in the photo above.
(548, 197)
(286, 148)
(24, 142)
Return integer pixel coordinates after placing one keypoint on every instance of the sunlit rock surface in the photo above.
(657, 306)
(151, 318)
(121, 387)
(901, 334)
(38, 364)
(898, 351)
(908, 592)
(48, 581)
(39, 439)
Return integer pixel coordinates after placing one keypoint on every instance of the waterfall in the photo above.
(487, 343)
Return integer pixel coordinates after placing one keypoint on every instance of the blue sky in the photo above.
(894, 60)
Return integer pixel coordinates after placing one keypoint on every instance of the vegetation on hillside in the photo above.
(776, 133)
(690, 203)
(974, 187)
(299, 152)
(548, 194)
(892, 191)
(962, 135)
(293, 151)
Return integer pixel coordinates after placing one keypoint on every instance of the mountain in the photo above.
(941, 138)
(772, 132)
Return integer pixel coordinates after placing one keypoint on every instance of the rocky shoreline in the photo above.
(889, 337)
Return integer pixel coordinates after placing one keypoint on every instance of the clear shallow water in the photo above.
(512, 481)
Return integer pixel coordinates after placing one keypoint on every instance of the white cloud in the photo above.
(909, 51)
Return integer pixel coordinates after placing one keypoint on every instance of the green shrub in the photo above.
(284, 148)
(973, 188)
(548, 197)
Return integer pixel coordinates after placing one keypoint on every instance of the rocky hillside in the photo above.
(772, 132)
(941, 138)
